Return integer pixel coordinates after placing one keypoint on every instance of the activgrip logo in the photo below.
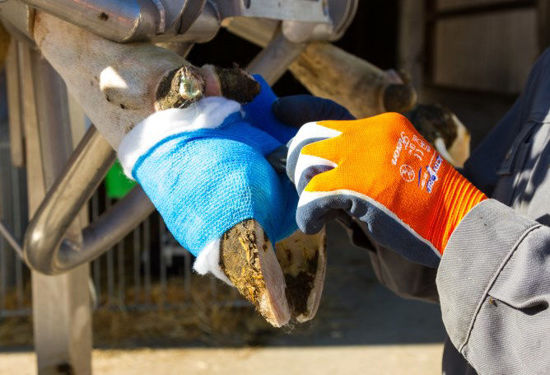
(433, 173)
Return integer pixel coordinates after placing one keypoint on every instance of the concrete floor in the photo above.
(360, 328)
(378, 359)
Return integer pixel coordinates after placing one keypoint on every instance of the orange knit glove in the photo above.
(381, 171)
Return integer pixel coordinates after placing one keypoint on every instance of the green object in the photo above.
(116, 182)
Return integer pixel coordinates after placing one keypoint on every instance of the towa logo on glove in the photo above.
(407, 173)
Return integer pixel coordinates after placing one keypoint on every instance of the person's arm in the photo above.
(494, 288)
(494, 274)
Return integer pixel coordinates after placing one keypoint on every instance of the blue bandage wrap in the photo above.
(205, 181)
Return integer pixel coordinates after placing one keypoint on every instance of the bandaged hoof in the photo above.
(248, 260)
(303, 259)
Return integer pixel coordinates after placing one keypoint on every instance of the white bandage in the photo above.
(208, 113)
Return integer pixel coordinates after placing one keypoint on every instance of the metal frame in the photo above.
(62, 183)
(45, 248)
(61, 317)
(181, 20)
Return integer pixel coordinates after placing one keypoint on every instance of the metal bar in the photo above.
(296, 10)
(147, 258)
(14, 313)
(96, 278)
(137, 20)
(117, 20)
(6, 201)
(61, 320)
(96, 265)
(45, 250)
(162, 263)
(273, 61)
(110, 264)
(17, 225)
(110, 278)
(238, 302)
(136, 242)
(120, 268)
(254, 30)
(5, 233)
(14, 105)
(19, 287)
(477, 10)
(188, 270)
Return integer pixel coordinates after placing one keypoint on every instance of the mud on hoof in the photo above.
(248, 260)
(303, 259)
(282, 284)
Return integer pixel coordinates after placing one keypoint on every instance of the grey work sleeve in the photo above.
(494, 289)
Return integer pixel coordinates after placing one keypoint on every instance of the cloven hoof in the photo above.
(284, 284)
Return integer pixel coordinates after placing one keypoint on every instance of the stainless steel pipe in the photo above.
(45, 248)
(117, 20)
(136, 20)
(273, 61)
(6, 234)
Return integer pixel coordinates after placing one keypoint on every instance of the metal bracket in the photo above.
(341, 14)
(180, 20)
(315, 11)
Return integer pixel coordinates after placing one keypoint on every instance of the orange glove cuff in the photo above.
(457, 198)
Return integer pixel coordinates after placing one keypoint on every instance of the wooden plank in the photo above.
(491, 52)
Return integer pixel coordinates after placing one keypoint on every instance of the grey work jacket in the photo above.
(493, 282)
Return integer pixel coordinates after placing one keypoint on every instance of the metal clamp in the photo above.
(341, 14)
(313, 11)
(185, 20)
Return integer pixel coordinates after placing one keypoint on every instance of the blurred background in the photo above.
(151, 313)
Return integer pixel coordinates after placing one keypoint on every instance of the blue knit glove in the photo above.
(204, 169)
(259, 114)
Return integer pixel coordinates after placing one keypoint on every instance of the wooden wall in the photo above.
(480, 45)
(489, 52)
